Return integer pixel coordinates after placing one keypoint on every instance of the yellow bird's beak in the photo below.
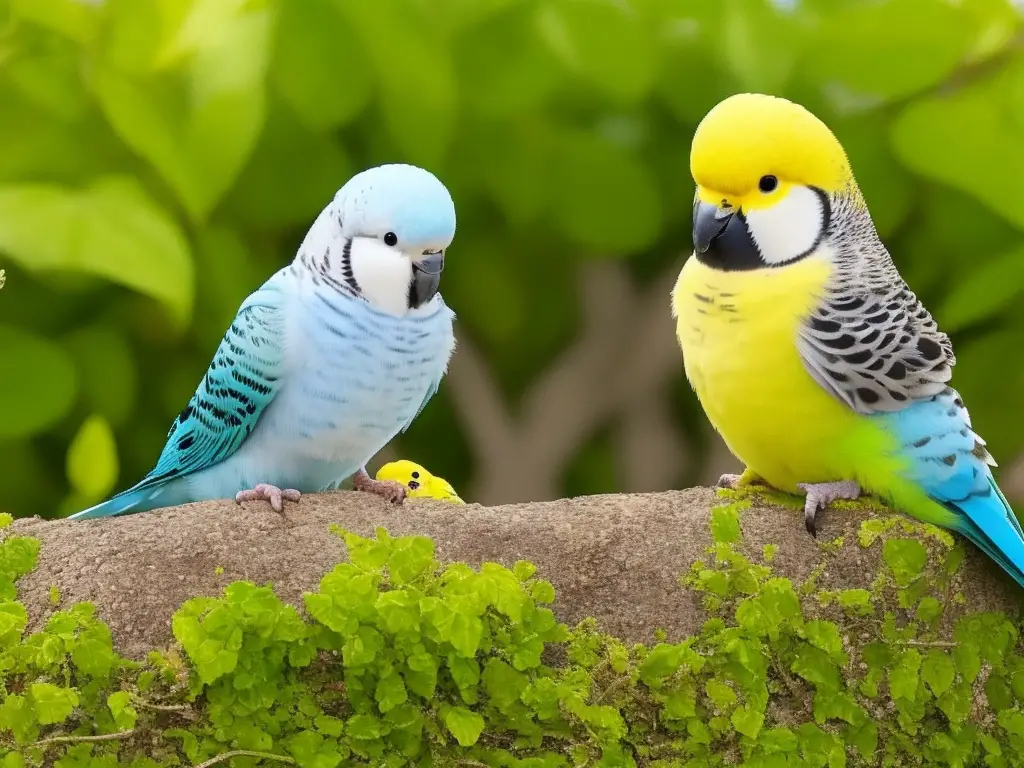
(721, 237)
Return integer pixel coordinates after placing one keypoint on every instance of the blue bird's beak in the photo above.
(426, 278)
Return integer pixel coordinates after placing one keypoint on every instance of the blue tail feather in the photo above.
(952, 465)
(983, 520)
(138, 498)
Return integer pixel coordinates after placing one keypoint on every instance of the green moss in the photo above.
(403, 662)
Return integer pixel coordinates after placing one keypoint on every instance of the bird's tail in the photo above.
(134, 499)
(990, 523)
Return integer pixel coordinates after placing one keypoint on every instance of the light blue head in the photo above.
(384, 236)
(408, 202)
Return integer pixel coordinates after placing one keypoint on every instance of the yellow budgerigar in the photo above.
(811, 356)
(419, 481)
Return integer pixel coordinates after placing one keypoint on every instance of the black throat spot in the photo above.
(346, 267)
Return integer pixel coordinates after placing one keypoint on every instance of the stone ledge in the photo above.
(617, 558)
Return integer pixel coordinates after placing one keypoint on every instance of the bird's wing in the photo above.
(245, 375)
(872, 344)
(951, 464)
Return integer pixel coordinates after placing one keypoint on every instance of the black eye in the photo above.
(416, 474)
(391, 239)
(767, 184)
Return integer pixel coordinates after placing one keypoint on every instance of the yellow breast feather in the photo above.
(738, 332)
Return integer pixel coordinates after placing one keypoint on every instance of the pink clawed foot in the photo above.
(387, 489)
(271, 493)
(820, 495)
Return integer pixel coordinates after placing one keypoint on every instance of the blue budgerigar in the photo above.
(325, 363)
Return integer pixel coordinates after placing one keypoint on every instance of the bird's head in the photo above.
(406, 472)
(395, 222)
(769, 175)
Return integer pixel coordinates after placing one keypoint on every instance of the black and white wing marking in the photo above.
(875, 347)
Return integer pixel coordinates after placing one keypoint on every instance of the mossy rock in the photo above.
(883, 642)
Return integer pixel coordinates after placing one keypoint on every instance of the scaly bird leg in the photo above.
(390, 490)
(820, 495)
(738, 481)
(276, 496)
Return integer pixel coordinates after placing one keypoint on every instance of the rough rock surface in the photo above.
(616, 557)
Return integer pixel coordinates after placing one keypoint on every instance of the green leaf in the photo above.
(969, 139)
(721, 694)
(198, 150)
(891, 50)
(938, 671)
(662, 661)
(111, 228)
(13, 618)
(906, 558)
(44, 388)
(325, 81)
(465, 634)
(364, 727)
(124, 713)
(92, 459)
(605, 42)
(504, 685)
(1012, 721)
(759, 43)
(747, 721)
(856, 601)
(465, 725)
(903, 677)
(825, 635)
(416, 84)
(983, 292)
(928, 610)
(52, 703)
(725, 524)
(998, 693)
(390, 692)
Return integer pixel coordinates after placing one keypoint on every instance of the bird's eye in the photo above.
(767, 184)
(390, 238)
(416, 475)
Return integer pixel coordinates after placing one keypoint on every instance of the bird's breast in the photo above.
(357, 375)
(738, 334)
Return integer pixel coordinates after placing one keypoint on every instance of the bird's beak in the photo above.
(426, 278)
(709, 222)
(721, 237)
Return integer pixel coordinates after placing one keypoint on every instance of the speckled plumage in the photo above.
(870, 341)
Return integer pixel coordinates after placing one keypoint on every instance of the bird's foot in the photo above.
(390, 490)
(820, 495)
(276, 496)
(738, 481)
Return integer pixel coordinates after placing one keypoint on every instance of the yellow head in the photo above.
(420, 482)
(768, 175)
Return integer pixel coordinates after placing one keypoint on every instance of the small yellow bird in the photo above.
(419, 481)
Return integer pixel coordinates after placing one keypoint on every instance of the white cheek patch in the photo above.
(383, 274)
(789, 229)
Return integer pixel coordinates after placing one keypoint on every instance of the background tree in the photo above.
(158, 160)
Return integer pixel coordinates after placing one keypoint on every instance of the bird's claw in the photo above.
(820, 495)
(390, 490)
(276, 496)
(729, 481)
(735, 482)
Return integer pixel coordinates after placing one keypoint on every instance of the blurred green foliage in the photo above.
(160, 159)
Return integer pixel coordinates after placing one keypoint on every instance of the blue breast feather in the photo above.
(951, 464)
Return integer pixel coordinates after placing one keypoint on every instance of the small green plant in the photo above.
(397, 661)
